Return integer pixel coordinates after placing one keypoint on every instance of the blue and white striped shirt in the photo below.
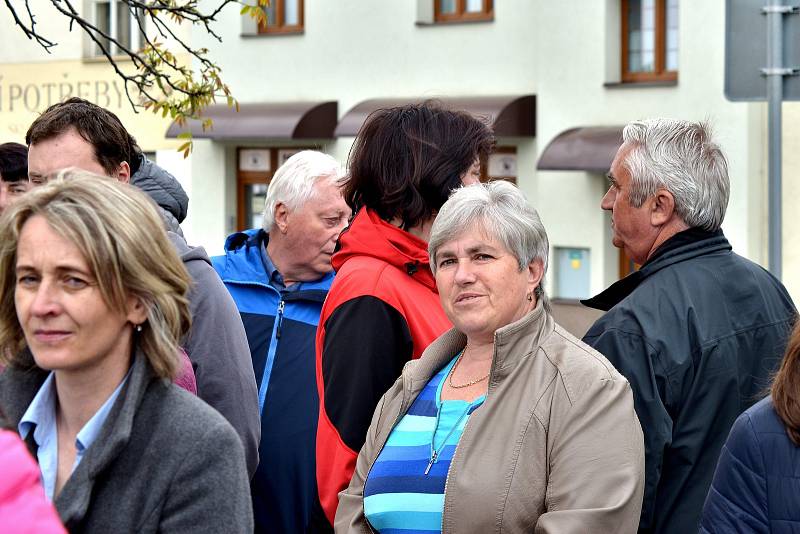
(399, 498)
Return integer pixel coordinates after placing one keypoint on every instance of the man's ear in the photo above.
(662, 208)
(281, 217)
(124, 172)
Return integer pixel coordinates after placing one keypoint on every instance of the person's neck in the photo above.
(422, 230)
(666, 232)
(281, 258)
(81, 393)
(479, 350)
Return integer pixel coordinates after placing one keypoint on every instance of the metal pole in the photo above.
(774, 73)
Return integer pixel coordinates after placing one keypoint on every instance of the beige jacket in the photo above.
(555, 448)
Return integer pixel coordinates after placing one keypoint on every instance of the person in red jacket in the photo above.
(383, 309)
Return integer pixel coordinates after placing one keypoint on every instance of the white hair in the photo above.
(293, 182)
(681, 157)
(503, 211)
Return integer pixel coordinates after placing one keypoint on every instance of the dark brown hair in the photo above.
(786, 387)
(13, 162)
(406, 160)
(99, 127)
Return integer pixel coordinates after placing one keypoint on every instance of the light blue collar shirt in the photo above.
(41, 417)
(274, 276)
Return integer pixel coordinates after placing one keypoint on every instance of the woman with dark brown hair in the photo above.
(757, 484)
(383, 309)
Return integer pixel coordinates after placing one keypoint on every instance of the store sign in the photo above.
(39, 95)
(27, 89)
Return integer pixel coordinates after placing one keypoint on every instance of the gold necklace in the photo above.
(471, 383)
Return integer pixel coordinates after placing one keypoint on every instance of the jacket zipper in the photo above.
(281, 306)
(455, 451)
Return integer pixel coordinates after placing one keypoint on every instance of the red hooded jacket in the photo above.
(382, 310)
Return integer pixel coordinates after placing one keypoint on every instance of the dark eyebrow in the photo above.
(611, 179)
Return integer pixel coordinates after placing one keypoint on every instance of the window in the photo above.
(255, 168)
(649, 40)
(500, 165)
(283, 16)
(116, 18)
(463, 10)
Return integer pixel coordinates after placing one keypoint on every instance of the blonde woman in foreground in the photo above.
(92, 303)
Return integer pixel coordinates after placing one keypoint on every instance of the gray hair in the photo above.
(293, 182)
(681, 157)
(503, 211)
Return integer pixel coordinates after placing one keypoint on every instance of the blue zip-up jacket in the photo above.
(756, 486)
(281, 328)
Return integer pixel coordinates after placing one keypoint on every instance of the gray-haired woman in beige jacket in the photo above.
(507, 422)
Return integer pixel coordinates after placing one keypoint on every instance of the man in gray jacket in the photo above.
(77, 133)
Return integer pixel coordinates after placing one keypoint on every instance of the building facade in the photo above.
(590, 66)
(556, 79)
(31, 79)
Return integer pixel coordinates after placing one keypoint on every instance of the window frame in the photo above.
(461, 14)
(280, 27)
(135, 30)
(246, 178)
(659, 74)
(504, 149)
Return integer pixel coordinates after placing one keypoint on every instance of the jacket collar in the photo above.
(369, 235)
(243, 265)
(681, 247)
(20, 385)
(73, 501)
(512, 343)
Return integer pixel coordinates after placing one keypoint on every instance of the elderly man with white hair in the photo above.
(279, 276)
(697, 330)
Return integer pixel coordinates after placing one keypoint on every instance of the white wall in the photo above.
(563, 52)
(16, 48)
(791, 197)
(353, 50)
(573, 66)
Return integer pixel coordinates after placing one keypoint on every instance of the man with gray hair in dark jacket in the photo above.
(77, 133)
(698, 329)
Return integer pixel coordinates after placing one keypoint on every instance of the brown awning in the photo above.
(286, 120)
(590, 148)
(512, 116)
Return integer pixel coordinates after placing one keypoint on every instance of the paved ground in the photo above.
(574, 316)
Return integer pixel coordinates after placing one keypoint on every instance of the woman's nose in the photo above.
(464, 272)
(45, 300)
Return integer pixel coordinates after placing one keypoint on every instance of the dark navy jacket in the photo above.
(281, 328)
(697, 331)
(757, 484)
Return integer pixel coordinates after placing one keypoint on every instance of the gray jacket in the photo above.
(163, 461)
(217, 346)
(555, 448)
(165, 190)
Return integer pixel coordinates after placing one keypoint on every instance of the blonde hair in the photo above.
(120, 234)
